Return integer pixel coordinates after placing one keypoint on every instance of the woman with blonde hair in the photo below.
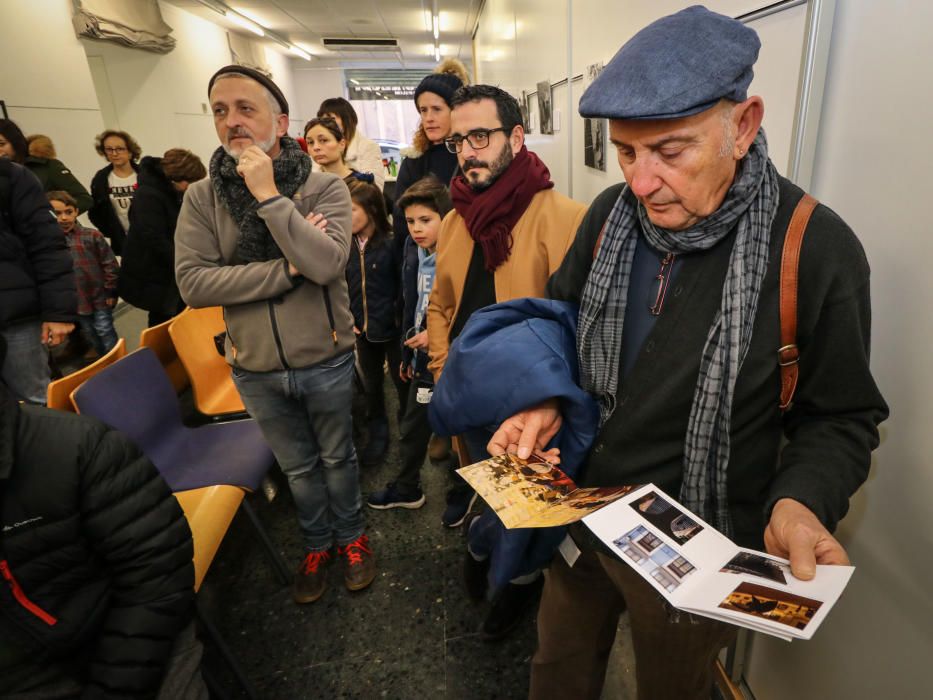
(428, 155)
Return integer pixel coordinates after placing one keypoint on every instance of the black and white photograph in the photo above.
(545, 116)
(753, 564)
(595, 131)
(526, 112)
(594, 143)
(670, 520)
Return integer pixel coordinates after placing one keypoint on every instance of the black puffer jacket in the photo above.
(102, 214)
(373, 278)
(96, 554)
(147, 271)
(36, 270)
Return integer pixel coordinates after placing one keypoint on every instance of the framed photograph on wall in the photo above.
(526, 112)
(3, 111)
(544, 107)
(595, 131)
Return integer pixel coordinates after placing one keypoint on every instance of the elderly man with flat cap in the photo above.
(268, 240)
(677, 274)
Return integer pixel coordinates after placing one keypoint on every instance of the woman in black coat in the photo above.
(147, 273)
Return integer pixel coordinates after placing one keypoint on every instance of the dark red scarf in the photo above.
(491, 214)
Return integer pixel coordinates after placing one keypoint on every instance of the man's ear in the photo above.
(747, 119)
(517, 139)
(281, 125)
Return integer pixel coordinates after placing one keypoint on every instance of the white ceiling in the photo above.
(306, 22)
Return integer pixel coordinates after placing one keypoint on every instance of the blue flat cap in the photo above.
(680, 65)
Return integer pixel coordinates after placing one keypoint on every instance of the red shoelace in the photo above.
(314, 560)
(355, 550)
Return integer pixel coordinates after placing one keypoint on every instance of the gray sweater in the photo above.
(274, 321)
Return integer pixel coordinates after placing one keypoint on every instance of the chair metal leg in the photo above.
(214, 687)
(218, 641)
(275, 558)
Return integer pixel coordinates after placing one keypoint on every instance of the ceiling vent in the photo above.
(360, 44)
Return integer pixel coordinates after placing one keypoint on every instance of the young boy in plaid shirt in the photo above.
(95, 273)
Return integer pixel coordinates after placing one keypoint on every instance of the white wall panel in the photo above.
(46, 83)
(872, 167)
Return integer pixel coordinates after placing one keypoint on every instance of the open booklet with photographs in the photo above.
(694, 566)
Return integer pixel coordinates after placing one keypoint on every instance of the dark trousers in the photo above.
(372, 358)
(415, 433)
(157, 317)
(577, 622)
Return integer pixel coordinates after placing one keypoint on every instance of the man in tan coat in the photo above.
(508, 233)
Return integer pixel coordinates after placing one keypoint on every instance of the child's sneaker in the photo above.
(460, 500)
(311, 578)
(360, 563)
(394, 497)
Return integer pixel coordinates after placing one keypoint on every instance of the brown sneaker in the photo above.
(311, 577)
(439, 449)
(360, 567)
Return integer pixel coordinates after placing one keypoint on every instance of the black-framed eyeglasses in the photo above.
(478, 139)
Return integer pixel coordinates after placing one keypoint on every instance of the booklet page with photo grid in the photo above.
(695, 567)
(700, 570)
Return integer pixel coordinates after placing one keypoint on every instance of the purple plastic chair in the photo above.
(135, 396)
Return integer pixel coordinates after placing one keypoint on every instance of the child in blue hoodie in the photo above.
(424, 205)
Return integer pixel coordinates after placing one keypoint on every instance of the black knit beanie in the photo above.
(263, 80)
(442, 84)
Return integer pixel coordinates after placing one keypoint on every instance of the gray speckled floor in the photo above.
(412, 634)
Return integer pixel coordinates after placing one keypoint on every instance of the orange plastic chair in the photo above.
(209, 511)
(160, 341)
(193, 332)
(58, 394)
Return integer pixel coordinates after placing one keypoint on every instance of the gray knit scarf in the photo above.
(290, 169)
(749, 207)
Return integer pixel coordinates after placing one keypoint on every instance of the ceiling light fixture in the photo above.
(300, 52)
(437, 27)
(354, 81)
(437, 53)
(245, 23)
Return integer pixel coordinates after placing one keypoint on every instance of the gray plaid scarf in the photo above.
(749, 206)
(290, 169)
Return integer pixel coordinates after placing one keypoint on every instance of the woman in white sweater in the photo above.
(362, 154)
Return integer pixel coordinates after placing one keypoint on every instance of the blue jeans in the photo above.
(25, 370)
(97, 328)
(305, 417)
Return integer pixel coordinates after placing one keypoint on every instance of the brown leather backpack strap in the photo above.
(788, 354)
(599, 239)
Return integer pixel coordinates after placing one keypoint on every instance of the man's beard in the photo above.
(498, 166)
(265, 145)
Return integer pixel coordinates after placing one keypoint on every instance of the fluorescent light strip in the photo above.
(300, 52)
(437, 28)
(245, 23)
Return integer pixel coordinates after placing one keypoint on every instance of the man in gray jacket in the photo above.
(268, 240)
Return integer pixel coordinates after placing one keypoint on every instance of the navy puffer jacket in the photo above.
(373, 278)
(37, 280)
(509, 357)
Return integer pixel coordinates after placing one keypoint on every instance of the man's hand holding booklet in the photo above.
(695, 567)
